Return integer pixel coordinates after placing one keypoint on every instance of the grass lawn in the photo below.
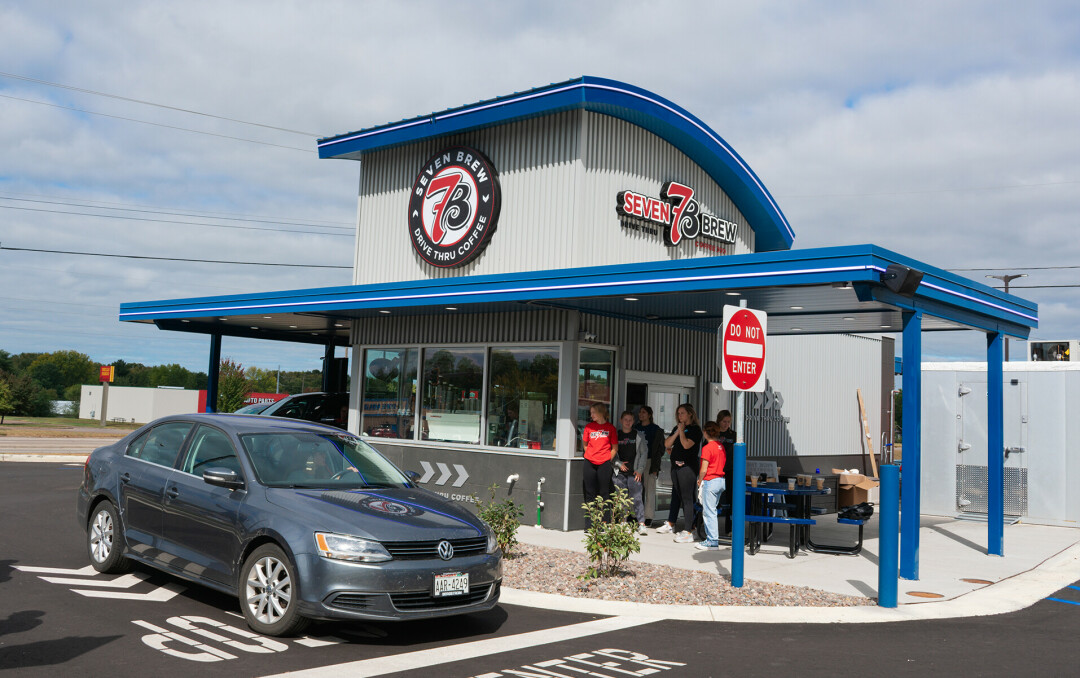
(36, 427)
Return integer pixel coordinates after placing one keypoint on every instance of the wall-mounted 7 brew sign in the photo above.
(454, 207)
(676, 214)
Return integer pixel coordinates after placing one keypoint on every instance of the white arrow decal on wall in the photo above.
(463, 475)
(428, 472)
(446, 473)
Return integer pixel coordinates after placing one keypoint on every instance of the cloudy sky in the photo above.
(943, 130)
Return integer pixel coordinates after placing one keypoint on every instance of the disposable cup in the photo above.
(753, 481)
(820, 483)
(791, 484)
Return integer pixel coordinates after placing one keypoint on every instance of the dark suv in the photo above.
(325, 408)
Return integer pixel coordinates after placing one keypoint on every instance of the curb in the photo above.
(46, 457)
(1008, 595)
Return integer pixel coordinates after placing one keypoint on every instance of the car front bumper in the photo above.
(395, 589)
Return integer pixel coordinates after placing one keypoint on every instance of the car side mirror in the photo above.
(413, 476)
(222, 477)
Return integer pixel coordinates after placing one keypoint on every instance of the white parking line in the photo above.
(124, 582)
(412, 661)
(86, 571)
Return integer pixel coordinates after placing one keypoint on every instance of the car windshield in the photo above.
(319, 460)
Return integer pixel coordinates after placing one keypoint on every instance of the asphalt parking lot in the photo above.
(56, 614)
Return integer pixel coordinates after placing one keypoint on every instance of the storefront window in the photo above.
(523, 398)
(452, 387)
(389, 393)
(596, 379)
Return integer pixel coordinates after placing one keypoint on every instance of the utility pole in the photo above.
(1007, 278)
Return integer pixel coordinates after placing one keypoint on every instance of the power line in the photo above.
(52, 301)
(1015, 268)
(173, 221)
(927, 191)
(151, 103)
(199, 261)
(178, 214)
(1036, 287)
(102, 274)
(158, 124)
(198, 213)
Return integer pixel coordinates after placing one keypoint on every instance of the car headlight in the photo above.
(342, 547)
(492, 545)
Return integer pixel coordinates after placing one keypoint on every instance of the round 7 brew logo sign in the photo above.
(453, 207)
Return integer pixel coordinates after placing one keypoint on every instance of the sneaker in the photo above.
(641, 529)
(707, 546)
(684, 538)
(664, 529)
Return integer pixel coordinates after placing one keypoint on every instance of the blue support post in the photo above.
(212, 372)
(995, 445)
(738, 510)
(889, 535)
(911, 498)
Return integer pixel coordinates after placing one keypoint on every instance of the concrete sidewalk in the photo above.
(72, 450)
(953, 565)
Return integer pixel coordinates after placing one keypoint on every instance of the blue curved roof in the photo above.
(663, 118)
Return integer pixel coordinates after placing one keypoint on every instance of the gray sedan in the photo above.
(300, 521)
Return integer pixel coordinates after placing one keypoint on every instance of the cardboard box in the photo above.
(854, 488)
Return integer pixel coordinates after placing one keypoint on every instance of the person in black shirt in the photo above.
(654, 436)
(633, 456)
(684, 445)
(727, 439)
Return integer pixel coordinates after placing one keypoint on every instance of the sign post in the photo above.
(106, 373)
(741, 352)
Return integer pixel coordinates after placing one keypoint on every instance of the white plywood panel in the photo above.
(811, 406)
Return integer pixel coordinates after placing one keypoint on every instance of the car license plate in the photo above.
(451, 584)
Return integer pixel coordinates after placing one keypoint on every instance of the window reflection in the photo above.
(389, 393)
(523, 398)
(452, 387)
(596, 375)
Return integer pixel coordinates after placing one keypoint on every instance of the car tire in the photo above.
(105, 540)
(269, 595)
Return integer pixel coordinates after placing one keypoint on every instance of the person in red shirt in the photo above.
(711, 483)
(600, 440)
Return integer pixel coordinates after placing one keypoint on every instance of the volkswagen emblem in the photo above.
(446, 550)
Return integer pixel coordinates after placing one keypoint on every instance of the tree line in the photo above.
(30, 382)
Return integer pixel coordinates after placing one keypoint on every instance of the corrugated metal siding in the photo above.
(450, 328)
(537, 161)
(816, 378)
(655, 348)
(622, 156)
(559, 176)
(645, 347)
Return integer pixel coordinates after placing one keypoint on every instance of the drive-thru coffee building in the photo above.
(520, 258)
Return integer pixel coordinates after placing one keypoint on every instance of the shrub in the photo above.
(504, 518)
(610, 538)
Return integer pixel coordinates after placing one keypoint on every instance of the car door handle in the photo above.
(125, 477)
(172, 493)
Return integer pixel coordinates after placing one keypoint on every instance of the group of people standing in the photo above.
(630, 457)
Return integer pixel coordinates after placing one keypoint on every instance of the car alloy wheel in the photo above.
(105, 540)
(269, 595)
(101, 536)
(269, 590)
